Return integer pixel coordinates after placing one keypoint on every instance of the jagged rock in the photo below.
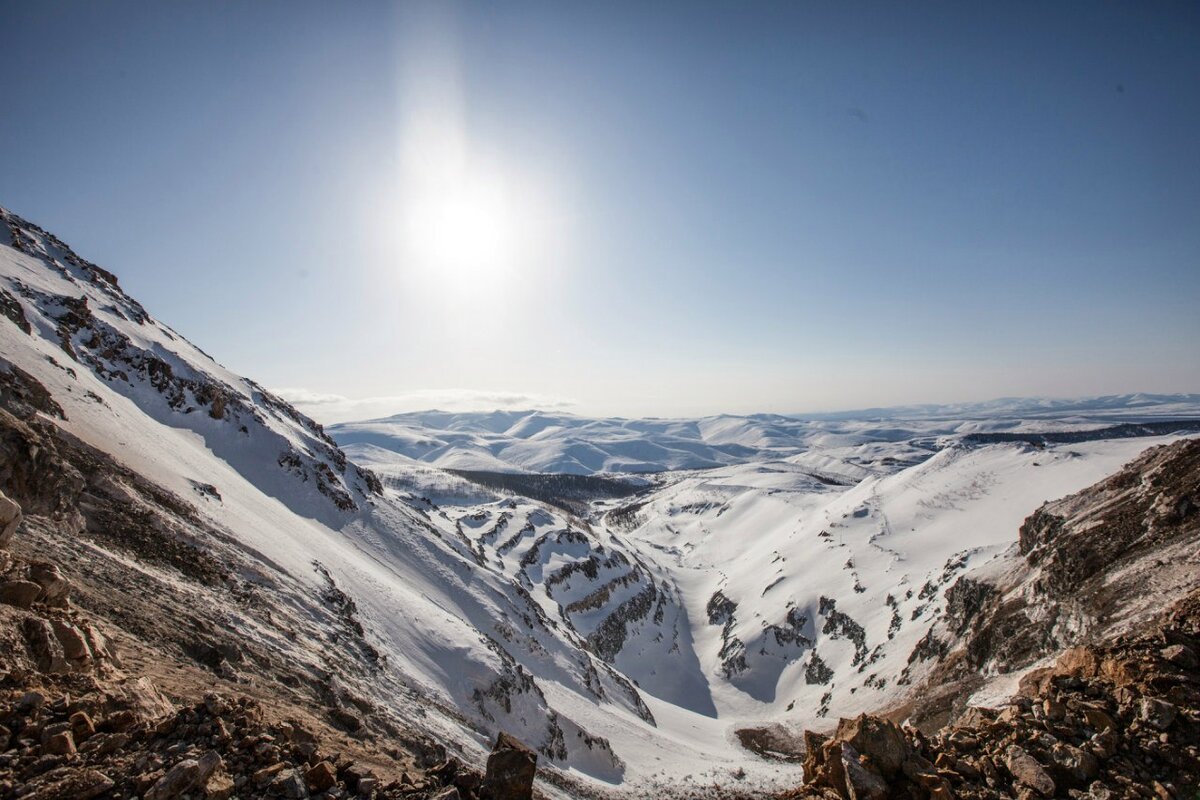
(220, 786)
(878, 739)
(10, 518)
(82, 727)
(290, 785)
(860, 782)
(60, 744)
(68, 782)
(73, 643)
(320, 777)
(1028, 772)
(1180, 655)
(511, 768)
(449, 793)
(44, 645)
(175, 781)
(209, 763)
(21, 594)
(55, 588)
(1159, 714)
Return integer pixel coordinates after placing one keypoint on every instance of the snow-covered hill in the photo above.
(538, 441)
(773, 572)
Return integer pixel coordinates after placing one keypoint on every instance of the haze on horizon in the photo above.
(672, 210)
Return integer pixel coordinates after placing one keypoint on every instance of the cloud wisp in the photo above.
(329, 409)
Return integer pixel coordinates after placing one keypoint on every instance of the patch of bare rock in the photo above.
(1115, 721)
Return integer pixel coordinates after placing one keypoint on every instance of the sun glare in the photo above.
(463, 227)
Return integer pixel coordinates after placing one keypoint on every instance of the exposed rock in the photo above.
(68, 783)
(1026, 771)
(44, 645)
(21, 594)
(55, 587)
(878, 739)
(60, 744)
(510, 770)
(175, 781)
(74, 645)
(321, 777)
(10, 518)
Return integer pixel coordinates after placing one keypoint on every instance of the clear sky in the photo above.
(640, 209)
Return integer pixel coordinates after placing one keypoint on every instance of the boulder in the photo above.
(1158, 714)
(60, 744)
(21, 594)
(10, 518)
(55, 588)
(64, 782)
(510, 770)
(1180, 655)
(74, 646)
(82, 727)
(861, 783)
(44, 645)
(879, 740)
(175, 781)
(320, 777)
(1027, 772)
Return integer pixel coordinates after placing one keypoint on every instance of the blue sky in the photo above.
(669, 208)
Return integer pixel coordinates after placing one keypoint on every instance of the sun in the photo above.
(463, 227)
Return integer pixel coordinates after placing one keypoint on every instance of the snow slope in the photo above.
(790, 582)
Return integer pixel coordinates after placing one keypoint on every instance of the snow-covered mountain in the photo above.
(767, 573)
(538, 441)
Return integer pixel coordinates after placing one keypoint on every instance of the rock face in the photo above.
(10, 518)
(1084, 563)
(510, 770)
(1114, 720)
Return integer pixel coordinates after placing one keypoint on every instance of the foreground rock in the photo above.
(510, 770)
(1114, 721)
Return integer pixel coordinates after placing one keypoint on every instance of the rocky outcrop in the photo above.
(510, 770)
(1120, 719)
(10, 518)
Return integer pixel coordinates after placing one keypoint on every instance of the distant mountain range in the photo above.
(540, 441)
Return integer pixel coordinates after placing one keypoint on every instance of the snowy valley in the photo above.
(669, 618)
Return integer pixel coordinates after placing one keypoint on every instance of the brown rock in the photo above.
(267, 774)
(1028, 772)
(82, 727)
(10, 518)
(21, 594)
(321, 777)
(73, 644)
(68, 782)
(44, 644)
(175, 781)
(55, 588)
(510, 770)
(60, 744)
(879, 740)
(218, 787)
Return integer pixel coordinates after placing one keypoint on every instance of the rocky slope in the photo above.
(1106, 583)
